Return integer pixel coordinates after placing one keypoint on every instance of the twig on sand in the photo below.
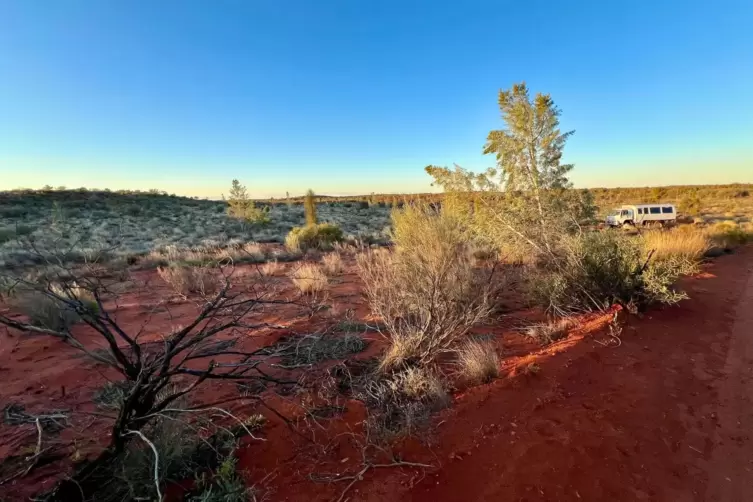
(359, 476)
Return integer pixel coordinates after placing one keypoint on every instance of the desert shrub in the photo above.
(595, 270)
(58, 309)
(684, 247)
(691, 204)
(729, 234)
(309, 278)
(401, 403)
(320, 236)
(478, 362)
(315, 348)
(45, 311)
(551, 331)
(333, 264)
(427, 292)
(190, 280)
(183, 454)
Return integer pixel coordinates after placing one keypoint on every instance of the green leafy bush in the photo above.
(595, 270)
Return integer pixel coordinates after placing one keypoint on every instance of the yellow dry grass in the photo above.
(309, 278)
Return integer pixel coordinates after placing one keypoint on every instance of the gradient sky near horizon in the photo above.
(356, 96)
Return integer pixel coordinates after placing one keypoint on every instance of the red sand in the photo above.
(665, 416)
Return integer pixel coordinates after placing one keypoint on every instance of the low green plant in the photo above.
(595, 270)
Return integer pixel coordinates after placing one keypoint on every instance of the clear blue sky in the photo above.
(355, 96)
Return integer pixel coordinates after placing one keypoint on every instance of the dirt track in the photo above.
(666, 416)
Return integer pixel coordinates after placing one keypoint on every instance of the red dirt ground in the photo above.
(664, 416)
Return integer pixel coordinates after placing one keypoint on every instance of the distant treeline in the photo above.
(21, 199)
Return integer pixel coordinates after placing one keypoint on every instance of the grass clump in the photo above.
(309, 278)
(271, 268)
(189, 280)
(317, 236)
(332, 264)
(478, 362)
(402, 402)
(684, 247)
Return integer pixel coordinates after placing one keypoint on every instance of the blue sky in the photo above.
(355, 96)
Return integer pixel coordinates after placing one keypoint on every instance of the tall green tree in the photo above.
(529, 149)
(527, 198)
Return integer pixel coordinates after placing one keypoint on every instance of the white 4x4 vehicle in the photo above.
(643, 214)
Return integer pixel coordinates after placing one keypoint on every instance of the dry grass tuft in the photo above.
(271, 268)
(309, 278)
(333, 264)
(478, 362)
(190, 280)
(551, 331)
(401, 403)
(683, 245)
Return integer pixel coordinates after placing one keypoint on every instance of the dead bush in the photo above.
(309, 278)
(190, 280)
(427, 293)
(552, 331)
(333, 264)
(478, 362)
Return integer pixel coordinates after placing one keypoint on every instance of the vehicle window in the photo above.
(666, 210)
(640, 210)
(655, 210)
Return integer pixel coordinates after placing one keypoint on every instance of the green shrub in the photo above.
(319, 236)
(598, 269)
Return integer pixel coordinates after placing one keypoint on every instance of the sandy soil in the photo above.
(664, 415)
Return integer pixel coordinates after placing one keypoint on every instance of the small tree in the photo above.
(242, 207)
(309, 208)
(527, 200)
